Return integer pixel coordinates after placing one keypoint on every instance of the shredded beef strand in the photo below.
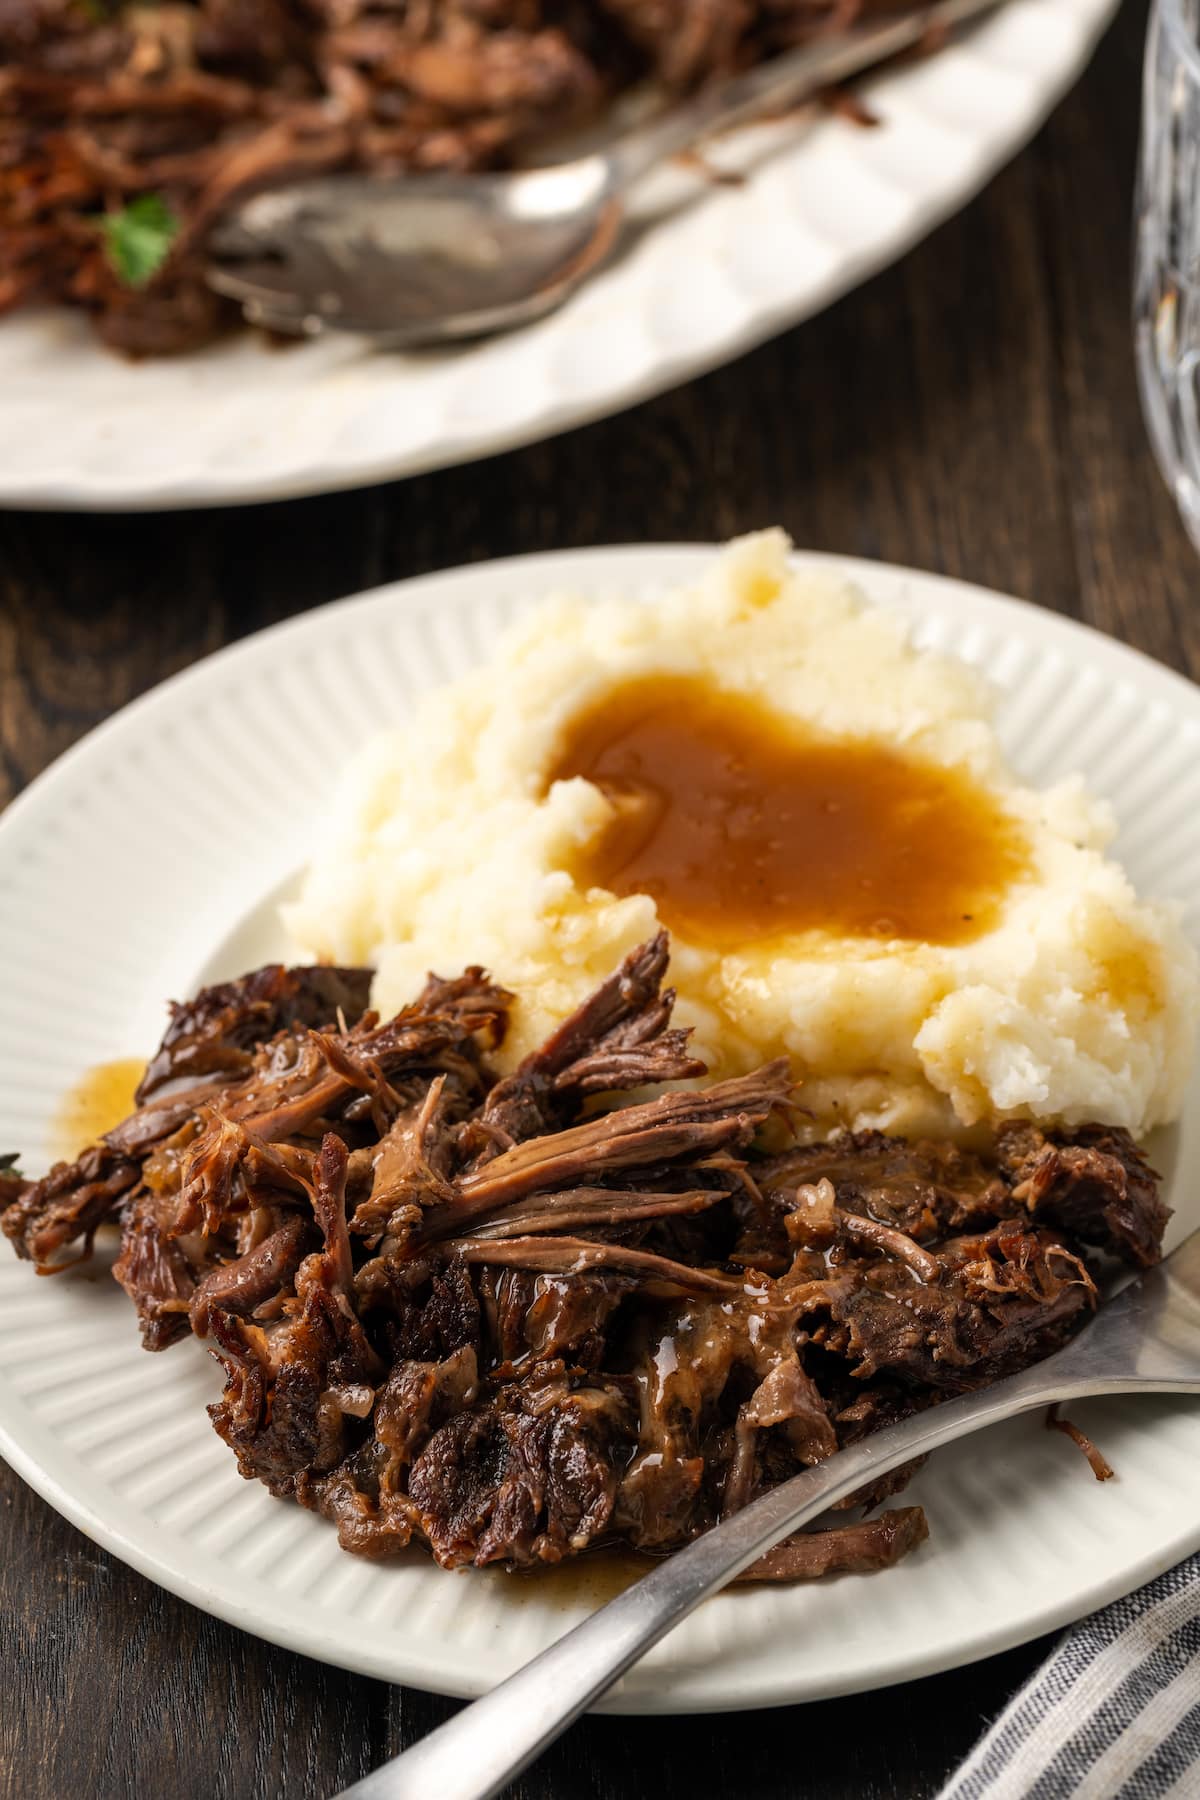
(858, 1549)
(1099, 1464)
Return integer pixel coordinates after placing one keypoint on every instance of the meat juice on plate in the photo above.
(100, 1099)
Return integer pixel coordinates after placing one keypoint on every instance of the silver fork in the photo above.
(426, 259)
(1145, 1340)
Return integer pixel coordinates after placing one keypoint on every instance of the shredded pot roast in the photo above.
(128, 127)
(513, 1318)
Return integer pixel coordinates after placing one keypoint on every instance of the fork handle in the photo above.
(488, 1743)
(783, 81)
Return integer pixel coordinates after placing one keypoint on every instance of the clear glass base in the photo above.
(1166, 294)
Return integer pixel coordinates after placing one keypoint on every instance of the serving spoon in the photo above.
(1145, 1340)
(430, 258)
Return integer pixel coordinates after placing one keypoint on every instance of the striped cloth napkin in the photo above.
(1113, 1714)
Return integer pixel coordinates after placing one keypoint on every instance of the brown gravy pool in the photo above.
(743, 825)
(97, 1102)
(591, 1580)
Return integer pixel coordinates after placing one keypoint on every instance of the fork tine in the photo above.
(259, 282)
(302, 322)
(266, 306)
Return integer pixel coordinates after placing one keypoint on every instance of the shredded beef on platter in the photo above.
(128, 130)
(511, 1319)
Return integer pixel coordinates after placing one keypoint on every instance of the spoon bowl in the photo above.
(417, 262)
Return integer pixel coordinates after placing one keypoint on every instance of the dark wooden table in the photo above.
(972, 411)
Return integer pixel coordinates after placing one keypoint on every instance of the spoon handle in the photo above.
(485, 1746)
(773, 86)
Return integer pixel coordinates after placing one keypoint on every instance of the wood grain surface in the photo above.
(971, 411)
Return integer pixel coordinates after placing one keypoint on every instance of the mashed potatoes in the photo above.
(450, 845)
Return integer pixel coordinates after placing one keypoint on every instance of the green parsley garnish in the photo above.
(138, 238)
(8, 1166)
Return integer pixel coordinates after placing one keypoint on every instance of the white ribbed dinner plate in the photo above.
(707, 272)
(150, 857)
